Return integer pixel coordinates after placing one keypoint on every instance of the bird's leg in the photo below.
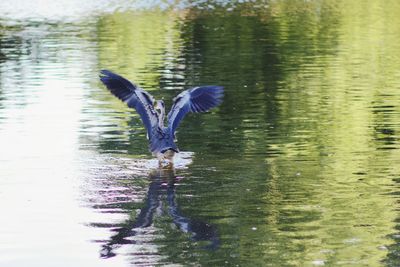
(161, 159)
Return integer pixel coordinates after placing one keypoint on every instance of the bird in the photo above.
(152, 112)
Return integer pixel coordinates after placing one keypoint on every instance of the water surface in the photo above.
(298, 167)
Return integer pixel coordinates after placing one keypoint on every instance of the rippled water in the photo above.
(299, 166)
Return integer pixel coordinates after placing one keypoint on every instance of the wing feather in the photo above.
(198, 99)
(133, 96)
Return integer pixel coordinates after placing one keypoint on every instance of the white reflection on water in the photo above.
(58, 10)
(42, 94)
(73, 10)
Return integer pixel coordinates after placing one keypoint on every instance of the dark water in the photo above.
(300, 165)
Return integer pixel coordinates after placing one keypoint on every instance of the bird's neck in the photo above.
(161, 117)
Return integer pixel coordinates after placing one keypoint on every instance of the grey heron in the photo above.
(152, 113)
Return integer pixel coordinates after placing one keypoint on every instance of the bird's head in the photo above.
(160, 105)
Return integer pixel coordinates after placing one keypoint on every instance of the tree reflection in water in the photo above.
(162, 189)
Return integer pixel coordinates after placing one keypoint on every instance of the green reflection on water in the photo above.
(306, 142)
(300, 164)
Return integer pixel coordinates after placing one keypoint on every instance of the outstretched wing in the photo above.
(198, 99)
(133, 96)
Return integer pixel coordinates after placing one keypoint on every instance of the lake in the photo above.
(299, 166)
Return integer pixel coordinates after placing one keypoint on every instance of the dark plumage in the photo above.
(161, 138)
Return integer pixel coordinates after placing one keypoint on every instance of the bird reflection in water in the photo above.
(161, 189)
